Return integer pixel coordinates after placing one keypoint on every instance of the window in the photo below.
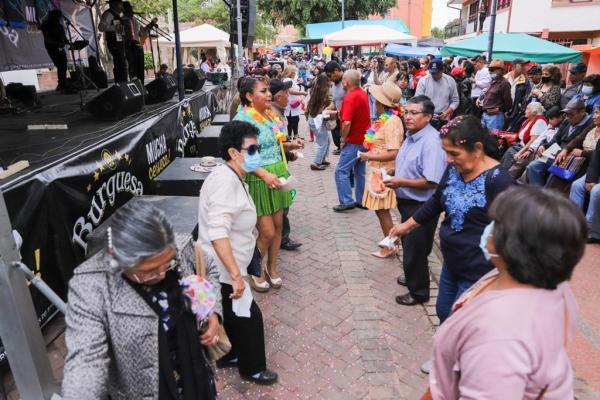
(473, 8)
(502, 4)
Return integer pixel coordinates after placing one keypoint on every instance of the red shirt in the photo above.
(418, 74)
(355, 108)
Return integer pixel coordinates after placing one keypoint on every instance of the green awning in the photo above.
(508, 46)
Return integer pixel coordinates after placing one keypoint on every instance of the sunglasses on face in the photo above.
(252, 149)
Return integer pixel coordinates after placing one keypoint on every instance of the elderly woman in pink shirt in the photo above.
(507, 336)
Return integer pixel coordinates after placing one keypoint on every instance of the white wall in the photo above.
(537, 15)
(24, 76)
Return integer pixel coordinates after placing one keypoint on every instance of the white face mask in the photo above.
(487, 232)
(587, 90)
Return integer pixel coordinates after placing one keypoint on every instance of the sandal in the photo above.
(275, 282)
(260, 287)
(385, 253)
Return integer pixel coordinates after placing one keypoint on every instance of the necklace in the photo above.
(376, 126)
(274, 123)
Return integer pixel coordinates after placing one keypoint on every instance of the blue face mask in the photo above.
(252, 162)
(587, 90)
(487, 232)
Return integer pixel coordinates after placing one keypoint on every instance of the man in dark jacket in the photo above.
(497, 100)
(576, 121)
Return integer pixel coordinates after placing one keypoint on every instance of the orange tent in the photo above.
(591, 56)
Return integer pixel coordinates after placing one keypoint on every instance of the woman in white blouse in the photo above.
(226, 220)
(534, 125)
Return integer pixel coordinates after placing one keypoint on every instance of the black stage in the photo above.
(46, 147)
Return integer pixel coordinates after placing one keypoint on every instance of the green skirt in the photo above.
(268, 201)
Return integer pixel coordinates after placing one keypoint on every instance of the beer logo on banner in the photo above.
(158, 155)
(191, 129)
(106, 192)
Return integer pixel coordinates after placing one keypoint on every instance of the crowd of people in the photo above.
(417, 135)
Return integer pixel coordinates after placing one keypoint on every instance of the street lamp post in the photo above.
(343, 12)
(492, 29)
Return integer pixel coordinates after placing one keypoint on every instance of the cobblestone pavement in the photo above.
(334, 330)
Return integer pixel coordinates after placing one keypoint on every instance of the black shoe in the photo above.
(342, 208)
(401, 281)
(267, 377)
(290, 245)
(359, 205)
(316, 167)
(336, 152)
(593, 240)
(227, 363)
(408, 300)
(326, 163)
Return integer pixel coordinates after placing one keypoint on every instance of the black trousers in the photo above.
(135, 61)
(247, 335)
(285, 233)
(336, 135)
(117, 51)
(292, 127)
(59, 58)
(416, 247)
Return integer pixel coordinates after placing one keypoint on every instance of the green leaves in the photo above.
(302, 12)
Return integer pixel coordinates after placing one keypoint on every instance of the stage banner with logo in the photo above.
(57, 211)
(21, 41)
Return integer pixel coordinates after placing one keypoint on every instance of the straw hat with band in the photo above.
(388, 94)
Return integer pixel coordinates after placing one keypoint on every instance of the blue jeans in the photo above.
(372, 103)
(537, 172)
(322, 140)
(578, 194)
(450, 289)
(493, 121)
(350, 162)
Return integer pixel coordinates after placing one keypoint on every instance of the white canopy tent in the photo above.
(203, 36)
(365, 35)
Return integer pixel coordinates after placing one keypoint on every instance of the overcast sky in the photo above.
(442, 14)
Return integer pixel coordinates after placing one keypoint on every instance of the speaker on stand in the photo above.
(193, 79)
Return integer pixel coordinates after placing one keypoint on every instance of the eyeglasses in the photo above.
(173, 264)
(412, 113)
(252, 149)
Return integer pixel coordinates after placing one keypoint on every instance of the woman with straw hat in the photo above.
(383, 141)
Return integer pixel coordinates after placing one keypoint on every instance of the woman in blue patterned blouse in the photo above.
(472, 180)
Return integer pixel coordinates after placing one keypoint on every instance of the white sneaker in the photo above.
(426, 367)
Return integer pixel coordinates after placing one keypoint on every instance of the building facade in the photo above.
(568, 22)
(416, 14)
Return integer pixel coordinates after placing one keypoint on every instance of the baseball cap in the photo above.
(457, 71)
(436, 66)
(497, 63)
(276, 86)
(578, 68)
(574, 105)
(519, 61)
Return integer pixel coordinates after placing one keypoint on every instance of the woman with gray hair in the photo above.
(131, 332)
(534, 125)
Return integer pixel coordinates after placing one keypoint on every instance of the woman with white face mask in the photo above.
(226, 220)
(507, 335)
(590, 92)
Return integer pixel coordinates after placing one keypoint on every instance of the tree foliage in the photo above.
(302, 12)
(437, 32)
(151, 7)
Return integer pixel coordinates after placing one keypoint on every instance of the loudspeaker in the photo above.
(162, 88)
(119, 100)
(193, 79)
(26, 94)
(248, 12)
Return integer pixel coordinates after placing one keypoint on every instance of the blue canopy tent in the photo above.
(400, 50)
(319, 30)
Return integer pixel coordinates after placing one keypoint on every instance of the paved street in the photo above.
(334, 330)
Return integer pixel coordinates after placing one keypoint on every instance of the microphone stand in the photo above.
(83, 78)
(158, 32)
